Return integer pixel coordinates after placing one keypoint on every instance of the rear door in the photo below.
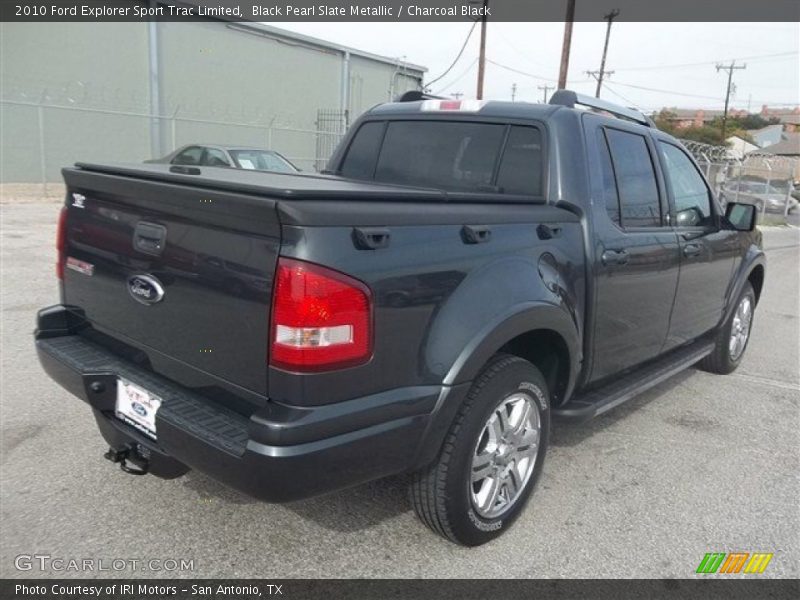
(636, 251)
(707, 251)
(184, 273)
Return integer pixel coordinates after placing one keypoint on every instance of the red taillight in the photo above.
(321, 319)
(61, 242)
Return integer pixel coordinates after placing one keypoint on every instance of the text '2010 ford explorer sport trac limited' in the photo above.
(463, 274)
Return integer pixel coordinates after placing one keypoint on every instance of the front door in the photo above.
(707, 251)
(636, 253)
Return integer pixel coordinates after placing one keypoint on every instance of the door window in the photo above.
(636, 179)
(689, 191)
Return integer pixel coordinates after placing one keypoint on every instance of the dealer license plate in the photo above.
(137, 407)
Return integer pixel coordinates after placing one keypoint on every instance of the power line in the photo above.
(460, 52)
(702, 97)
(518, 72)
(705, 63)
(628, 100)
(459, 78)
(631, 85)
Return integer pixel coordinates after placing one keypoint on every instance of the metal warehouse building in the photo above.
(132, 91)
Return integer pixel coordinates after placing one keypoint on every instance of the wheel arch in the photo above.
(524, 331)
(756, 279)
(542, 333)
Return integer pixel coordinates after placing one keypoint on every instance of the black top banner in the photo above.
(399, 10)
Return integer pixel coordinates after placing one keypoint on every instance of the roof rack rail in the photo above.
(570, 99)
(414, 95)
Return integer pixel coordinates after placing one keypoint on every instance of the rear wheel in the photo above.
(733, 336)
(491, 457)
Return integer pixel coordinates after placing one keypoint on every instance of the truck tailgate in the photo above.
(183, 271)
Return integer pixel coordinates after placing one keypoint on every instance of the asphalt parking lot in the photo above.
(702, 463)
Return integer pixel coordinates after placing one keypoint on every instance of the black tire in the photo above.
(720, 360)
(441, 493)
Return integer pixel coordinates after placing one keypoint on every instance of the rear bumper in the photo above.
(279, 453)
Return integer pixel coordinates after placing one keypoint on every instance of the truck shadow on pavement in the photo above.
(357, 508)
(367, 505)
(349, 510)
(565, 433)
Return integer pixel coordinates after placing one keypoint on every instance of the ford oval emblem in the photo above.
(145, 289)
(139, 409)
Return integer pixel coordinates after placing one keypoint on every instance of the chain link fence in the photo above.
(766, 180)
(40, 138)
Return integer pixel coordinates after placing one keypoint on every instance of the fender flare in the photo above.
(749, 264)
(520, 319)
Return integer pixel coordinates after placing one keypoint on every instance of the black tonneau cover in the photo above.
(294, 186)
(277, 185)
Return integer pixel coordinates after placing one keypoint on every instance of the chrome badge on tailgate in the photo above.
(145, 289)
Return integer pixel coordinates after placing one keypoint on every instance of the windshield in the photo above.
(261, 160)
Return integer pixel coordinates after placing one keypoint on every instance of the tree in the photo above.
(665, 120)
(752, 121)
(707, 134)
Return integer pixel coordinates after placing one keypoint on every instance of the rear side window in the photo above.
(636, 179)
(360, 160)
(449, 155)
(521, 166)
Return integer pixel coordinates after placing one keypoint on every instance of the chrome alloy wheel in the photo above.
(740, 328)
(505, 455)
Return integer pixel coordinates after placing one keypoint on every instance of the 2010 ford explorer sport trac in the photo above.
(464, 273)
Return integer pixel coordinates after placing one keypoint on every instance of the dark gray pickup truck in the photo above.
(464, 274)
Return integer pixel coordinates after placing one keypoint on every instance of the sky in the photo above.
(676, 61)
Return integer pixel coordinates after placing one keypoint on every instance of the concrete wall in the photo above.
(219, 82)
(70, 65)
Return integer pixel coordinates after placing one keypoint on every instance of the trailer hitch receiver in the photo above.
(132, 458)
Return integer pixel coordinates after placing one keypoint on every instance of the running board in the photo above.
(597, 401)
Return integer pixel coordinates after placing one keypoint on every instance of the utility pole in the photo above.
(730, 69)
(565, 47)
(482, 55)
(545, 89)
(457, 95)
(610, 18)
(513, 92)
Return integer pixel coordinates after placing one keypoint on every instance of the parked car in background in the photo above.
(759, 193)
(236, 157)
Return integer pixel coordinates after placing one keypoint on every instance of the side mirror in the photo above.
(741, 216)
